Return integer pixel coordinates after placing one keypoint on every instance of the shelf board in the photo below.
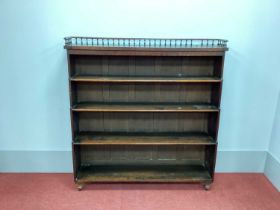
(145, 107)
(143, 173)
(146, 79)
(122, 138)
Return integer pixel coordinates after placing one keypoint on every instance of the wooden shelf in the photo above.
(142, 173)
(133, 107)
(113, 138)
(145, 79)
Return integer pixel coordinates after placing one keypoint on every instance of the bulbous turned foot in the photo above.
(80, 187)
(207, 186)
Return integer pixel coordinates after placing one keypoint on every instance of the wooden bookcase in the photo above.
(144, 110)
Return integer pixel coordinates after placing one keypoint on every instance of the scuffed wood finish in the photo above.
(132, 173)
(126, 107)
(125, 138)
(119, 79)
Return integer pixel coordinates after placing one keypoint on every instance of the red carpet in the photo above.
(57, 191)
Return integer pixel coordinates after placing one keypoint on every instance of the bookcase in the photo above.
(144, 110)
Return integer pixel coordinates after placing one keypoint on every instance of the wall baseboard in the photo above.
(241, 161)
(272, 170)
(36, 161)
(61, 161)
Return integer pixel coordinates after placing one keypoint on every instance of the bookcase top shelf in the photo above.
(75, 42)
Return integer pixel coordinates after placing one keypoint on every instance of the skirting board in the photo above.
(36, 161)
(241, 161)
(272, 170)
(61, 161)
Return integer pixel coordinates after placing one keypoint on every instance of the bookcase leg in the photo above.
(207, 186)
(80, 186)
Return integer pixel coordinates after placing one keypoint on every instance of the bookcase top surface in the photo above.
(144, 44)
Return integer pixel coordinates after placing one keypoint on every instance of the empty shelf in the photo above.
(113, 138)
(146, 79)
(133, 107)
(142, 173)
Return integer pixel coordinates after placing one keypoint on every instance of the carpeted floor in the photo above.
(57, 191)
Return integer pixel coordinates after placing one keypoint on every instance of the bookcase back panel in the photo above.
(145, 66)
(121, 154)
(144, 122)
(184, 93)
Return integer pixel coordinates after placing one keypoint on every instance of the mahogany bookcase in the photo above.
(144, 110)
